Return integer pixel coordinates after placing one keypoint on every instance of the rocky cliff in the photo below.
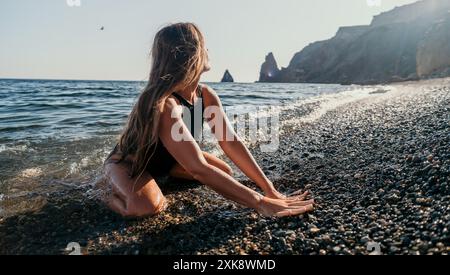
(409, 42)
(433, 52)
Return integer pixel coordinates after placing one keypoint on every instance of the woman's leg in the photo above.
(131, 198)
(179, 172)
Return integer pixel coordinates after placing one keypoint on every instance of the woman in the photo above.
(147, 146)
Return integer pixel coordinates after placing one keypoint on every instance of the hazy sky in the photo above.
(50, 39)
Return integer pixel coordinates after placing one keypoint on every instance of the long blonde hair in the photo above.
(179, 57)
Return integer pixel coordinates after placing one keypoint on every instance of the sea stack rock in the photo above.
(269, 69)
(227, 77)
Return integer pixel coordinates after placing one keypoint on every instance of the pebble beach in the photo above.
(378, 168)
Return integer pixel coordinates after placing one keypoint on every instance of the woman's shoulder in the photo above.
(207, 91)
(169, 106)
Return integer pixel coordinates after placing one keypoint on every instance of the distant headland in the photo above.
(407, 43)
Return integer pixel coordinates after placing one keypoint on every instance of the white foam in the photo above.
(331, 102)
(31, 172)
(93, 159)
(17, 148)
(76, 167)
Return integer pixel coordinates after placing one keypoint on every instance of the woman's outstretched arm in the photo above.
(179, 142)
(235, 149)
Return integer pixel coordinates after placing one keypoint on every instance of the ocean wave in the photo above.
(102, 124)
(51, 106)
(9, 129)
(98, 88)
(77, 88)
(247, 96)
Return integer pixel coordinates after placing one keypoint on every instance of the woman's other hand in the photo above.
(284, 207)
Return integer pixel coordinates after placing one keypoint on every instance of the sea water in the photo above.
(57, 133)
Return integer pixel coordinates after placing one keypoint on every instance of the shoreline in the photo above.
(378, 167)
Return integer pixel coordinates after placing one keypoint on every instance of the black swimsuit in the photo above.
(161, 162)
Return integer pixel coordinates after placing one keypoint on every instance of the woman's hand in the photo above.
(282, 208)
(274, 194)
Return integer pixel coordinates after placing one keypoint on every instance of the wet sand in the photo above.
(378, 167)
